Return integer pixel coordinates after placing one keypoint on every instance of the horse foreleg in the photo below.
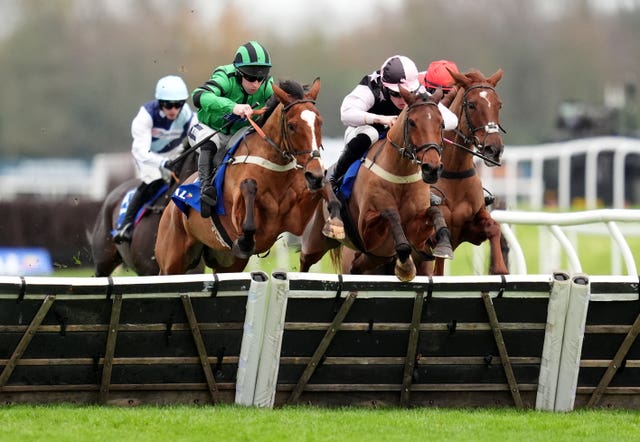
(313, 244)
(105, 255)
(438, 267)
(334, 227)
(424, 267)
(443, 247)
(175, 249)
(243, 247)
(405, 269)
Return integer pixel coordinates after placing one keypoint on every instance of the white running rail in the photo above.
(603, 222)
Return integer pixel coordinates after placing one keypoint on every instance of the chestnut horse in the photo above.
(388, 207)
(138, 254)
(477, 106)
(272, 184)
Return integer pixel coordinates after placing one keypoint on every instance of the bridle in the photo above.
(471, 138)
(287, 152)
(408, 150)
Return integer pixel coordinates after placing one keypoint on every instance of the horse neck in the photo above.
(387, 156)
(454, 158)
(188, 166)
(272, 129)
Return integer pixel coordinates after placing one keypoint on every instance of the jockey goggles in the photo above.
(171, 104)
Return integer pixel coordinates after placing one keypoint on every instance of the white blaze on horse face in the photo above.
(485, 96)
(310, 118)
(491, 127)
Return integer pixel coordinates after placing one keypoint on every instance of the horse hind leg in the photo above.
(243, 247)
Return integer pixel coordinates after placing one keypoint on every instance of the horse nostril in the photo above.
(314, 182)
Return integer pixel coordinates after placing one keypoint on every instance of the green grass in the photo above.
(233, 423)
(594, 252)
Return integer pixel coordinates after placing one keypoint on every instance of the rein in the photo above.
(287, 152)
(408, 150)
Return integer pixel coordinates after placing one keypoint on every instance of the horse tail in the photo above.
(335, 255)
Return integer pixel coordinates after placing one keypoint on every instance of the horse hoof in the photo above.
(445, 252)
(333, 229)
(405, 272)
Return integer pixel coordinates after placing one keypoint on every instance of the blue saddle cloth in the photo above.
(188, 195)
(125, 204)
(349, 178)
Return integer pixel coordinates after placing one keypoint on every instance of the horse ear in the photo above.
(314, 89)
(282, 96)
(408, 96)
(460, 78)
(495, 78)
(448, 99)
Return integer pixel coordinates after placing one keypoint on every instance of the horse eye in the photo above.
(472, 105)
(291, 127)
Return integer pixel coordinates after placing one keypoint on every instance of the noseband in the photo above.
(409, 150)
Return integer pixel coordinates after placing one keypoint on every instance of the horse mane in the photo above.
(476, 76)
(292, 88)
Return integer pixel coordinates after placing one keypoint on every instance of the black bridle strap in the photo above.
(409, 150)
(471, 139)
(287, 153)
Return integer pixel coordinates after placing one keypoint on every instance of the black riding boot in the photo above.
(125, 233)
(352, 151)
(208, 196)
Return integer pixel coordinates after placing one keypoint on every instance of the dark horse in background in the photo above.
(139, 254)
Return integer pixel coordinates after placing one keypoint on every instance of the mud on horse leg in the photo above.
(243, 247)
(405, 268)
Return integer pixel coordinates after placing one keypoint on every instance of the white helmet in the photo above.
(399, 70)
(171, 88)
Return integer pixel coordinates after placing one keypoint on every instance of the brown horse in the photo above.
(137, 255)
(388, 207)
(272, 184)
(477, 106)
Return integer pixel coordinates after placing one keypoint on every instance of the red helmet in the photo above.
(438, 76)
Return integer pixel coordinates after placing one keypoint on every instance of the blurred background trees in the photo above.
(73, 73)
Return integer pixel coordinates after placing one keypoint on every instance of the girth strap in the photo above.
(458, 175)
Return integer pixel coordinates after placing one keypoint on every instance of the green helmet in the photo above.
(252, 59)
